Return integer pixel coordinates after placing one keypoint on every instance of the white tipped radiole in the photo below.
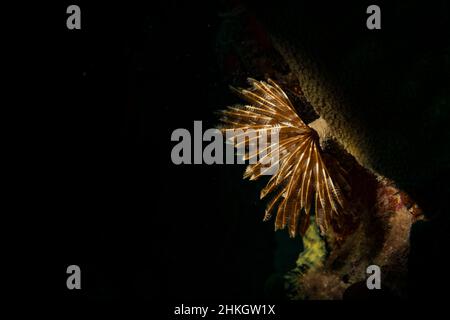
(301, 180)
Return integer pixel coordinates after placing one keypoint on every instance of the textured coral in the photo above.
(327, 101)
(382, 238)
(387, 134)
(384, 96)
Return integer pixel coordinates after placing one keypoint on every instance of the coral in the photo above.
(372, 109)
(382, 238)
(327, 101)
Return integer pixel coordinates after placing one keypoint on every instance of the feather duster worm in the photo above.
(307, 180)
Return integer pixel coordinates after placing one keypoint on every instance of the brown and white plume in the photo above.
(307, 179)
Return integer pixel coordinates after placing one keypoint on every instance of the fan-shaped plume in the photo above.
(306, 179)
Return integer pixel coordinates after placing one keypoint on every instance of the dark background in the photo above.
(137, 225)
(110, 199)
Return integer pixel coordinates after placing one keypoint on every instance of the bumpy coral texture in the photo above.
(328, 266)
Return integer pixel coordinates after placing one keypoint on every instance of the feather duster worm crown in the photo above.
(307, 180)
